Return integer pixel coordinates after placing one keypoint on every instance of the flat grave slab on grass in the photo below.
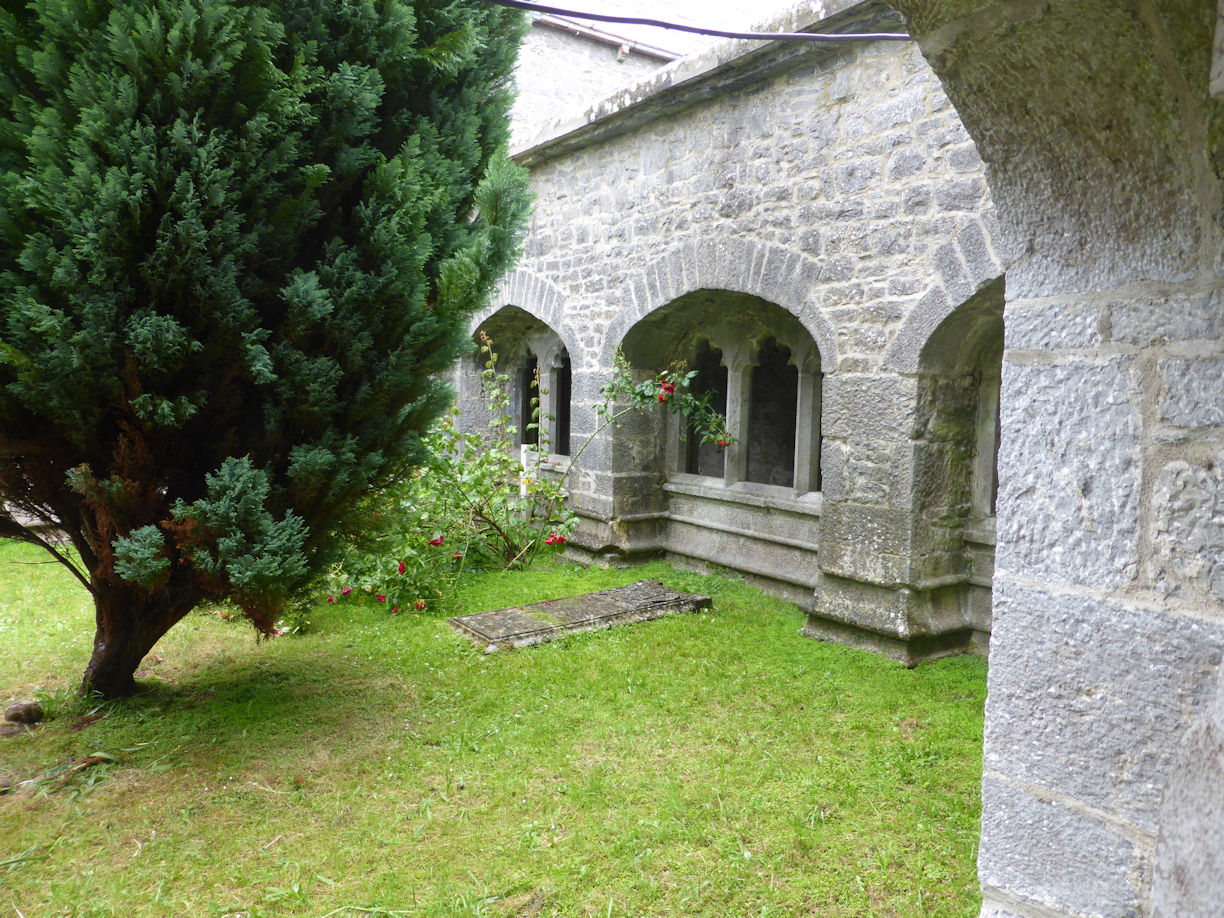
(522, 626)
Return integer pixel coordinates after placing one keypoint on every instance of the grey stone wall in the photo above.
(1102, 737)
(560, 72)
(825, 196)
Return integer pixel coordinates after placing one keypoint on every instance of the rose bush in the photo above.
(472, 504)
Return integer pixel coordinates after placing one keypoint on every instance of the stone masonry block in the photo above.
(1188, 874)
(1090, 697)
(1187, 530)
(1057, 857)
(833, 470)
(1054, 326)
(868, 407)
(905, 163)
(1161, 319)
(1069, 470)
(1195, 393)
(952, 270)
(961, 194)
(975, 250)
(871, 544)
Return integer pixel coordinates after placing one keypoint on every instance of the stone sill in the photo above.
(981, 531)
(556, 463)
(745, 493)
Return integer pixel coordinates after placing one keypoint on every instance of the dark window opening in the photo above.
(528, 403)
(773, 403)
(994, 462)
(564, 386)
(711, 378)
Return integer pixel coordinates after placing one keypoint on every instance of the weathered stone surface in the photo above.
(1217, 56)
(1192, 396)
(1055, 856)
(1188, 874)
(545, 621)
(997, 910)
(1069, 468)
(1095, 732)
(1054, 133)
(1043, 326)
(872, 544)
(905, 624)
(1187, 529)
(859, 407)
(1165, 315)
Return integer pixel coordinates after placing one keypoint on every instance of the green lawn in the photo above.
(708, 764)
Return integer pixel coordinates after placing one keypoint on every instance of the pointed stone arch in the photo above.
(770, 272)
(909, 346)
(526, 320)
(536, 296)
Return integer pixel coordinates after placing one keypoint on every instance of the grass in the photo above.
(703, 764)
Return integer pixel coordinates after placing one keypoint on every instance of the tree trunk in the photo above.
(129, 623)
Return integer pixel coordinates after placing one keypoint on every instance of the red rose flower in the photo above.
(401, 567)
(382, 598)
(436, 540)
(419, 605)
(331, 598)
(346, 591)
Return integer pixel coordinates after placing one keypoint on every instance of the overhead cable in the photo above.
(718, 33)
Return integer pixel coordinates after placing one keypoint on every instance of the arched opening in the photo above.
(956, 449)
(760, 367)
(752, 504)
(959, 370)
(528, 401)
(537, 365)
(562, 389)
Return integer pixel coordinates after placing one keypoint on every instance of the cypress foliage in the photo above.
(238, 241)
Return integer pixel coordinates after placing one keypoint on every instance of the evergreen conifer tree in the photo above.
(239, 239)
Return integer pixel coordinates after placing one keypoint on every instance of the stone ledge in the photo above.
(747, 493)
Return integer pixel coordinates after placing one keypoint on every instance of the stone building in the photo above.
(808, 227)
(565, 64)
(932, 452)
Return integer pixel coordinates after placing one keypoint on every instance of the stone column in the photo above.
(549, 362)
(739, 394)
(890, 574)
(807, 427)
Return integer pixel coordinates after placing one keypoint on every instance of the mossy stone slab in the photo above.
(522, 626)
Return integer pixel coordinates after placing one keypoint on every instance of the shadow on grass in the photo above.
(269, 708)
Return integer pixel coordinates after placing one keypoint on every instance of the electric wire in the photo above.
(699, 30)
